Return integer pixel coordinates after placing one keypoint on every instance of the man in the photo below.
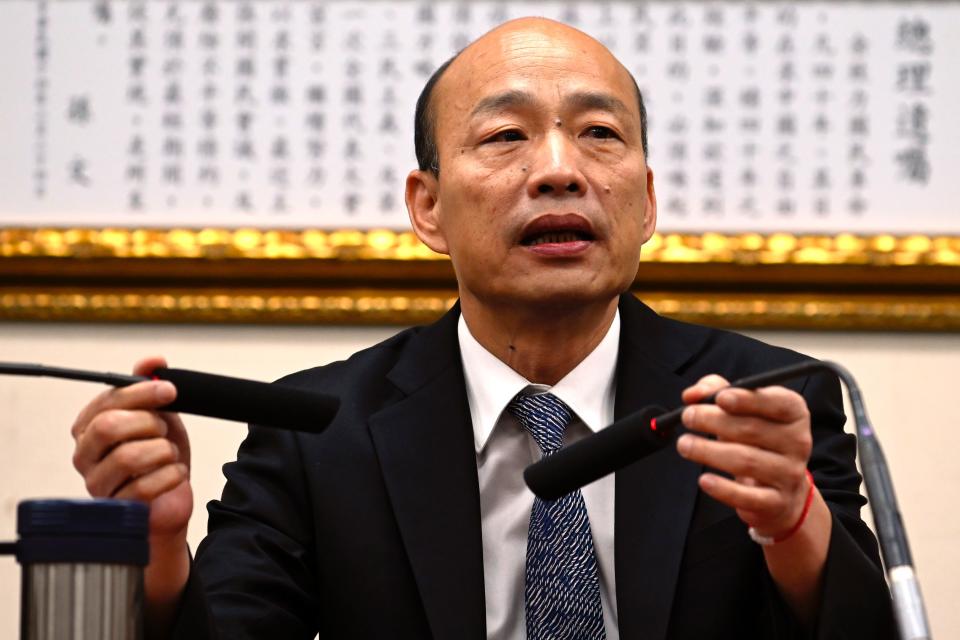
(402, 521)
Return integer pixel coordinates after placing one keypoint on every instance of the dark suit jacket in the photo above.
(372, 528)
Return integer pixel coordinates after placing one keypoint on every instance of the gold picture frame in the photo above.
(349, 276)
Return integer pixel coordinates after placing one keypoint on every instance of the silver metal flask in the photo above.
(82, 575)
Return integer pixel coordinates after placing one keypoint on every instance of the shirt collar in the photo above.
(588, 389)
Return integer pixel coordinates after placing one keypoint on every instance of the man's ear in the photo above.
(650, 211)
(423, 207)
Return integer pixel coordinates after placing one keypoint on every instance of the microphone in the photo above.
(632, 438)
(215, 396)
(625, 441)
(271, 405)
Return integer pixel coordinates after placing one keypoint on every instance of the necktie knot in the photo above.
(544, 415)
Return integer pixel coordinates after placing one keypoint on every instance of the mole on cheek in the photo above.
(606, 188)
(558, 123)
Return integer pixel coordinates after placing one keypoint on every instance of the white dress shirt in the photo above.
(504, 449)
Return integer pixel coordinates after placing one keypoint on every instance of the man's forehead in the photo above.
(532, 32)
(579, 100)
(529, 48)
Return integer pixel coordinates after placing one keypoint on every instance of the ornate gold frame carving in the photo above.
(349, 276)
(384, 244)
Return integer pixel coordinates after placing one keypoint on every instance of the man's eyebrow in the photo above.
(503, 101)
(596, 100)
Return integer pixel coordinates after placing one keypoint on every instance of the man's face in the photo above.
(543, 194)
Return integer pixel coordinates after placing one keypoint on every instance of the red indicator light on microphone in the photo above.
(653, 424)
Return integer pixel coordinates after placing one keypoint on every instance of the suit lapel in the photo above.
(426, 452)
(654, 496)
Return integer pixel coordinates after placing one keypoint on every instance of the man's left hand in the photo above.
(762, 439)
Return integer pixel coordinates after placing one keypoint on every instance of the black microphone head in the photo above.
(623, 442)
(269, 405)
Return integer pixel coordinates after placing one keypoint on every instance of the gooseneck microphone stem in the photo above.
(43, 371)
(590, 459)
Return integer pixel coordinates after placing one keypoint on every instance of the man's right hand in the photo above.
(126, 448)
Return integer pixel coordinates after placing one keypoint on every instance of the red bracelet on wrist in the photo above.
(761, 539)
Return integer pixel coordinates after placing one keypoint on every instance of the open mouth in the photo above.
(570, 230)
(555, 237)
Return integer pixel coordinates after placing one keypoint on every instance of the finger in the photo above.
(778, 404)
(753, 502)
(146, 366)
(124, 396)
(128, 462)
(766, 467)
(149, 394)
(154, 484)
(746, 429)
(178, 434)
(110, 428)
(704, 388)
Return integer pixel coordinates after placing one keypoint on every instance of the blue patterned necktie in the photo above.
(562, 593)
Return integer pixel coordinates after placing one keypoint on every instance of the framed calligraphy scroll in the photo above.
(244, 160)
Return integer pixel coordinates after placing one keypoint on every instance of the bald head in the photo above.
(562, 41)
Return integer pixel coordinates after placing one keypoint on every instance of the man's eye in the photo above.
(510, 135)
(600, 132)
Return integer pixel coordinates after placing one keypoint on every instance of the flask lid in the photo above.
(98, 531)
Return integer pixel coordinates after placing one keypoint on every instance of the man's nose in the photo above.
(555, 169)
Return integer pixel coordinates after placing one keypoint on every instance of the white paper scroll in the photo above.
(767, 116)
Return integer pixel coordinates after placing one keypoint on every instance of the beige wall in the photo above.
(909, 382)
